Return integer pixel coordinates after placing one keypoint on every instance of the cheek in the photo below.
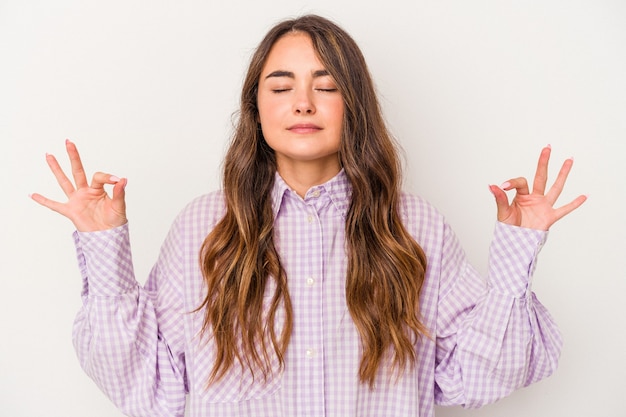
(269, 112)
(270, 127)
(337, 109)
(338, 116)
(266, 120)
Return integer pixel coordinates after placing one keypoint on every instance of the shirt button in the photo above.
(310, 219)
(310, 353)
(316, 193)
(310, 281)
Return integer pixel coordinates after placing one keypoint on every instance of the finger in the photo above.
(99, 179)
(51, 204)
(78, 172)
(64, 182)
(118, 201)
(568, 208)
(541, 174)
(559, 183)
(519, 184)
(502, 201)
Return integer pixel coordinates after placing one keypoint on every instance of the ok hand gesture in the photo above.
(88, 206)
(535, 209)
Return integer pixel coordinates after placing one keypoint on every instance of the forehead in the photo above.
(292, 51)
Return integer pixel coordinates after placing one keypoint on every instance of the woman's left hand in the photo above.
(535, 209)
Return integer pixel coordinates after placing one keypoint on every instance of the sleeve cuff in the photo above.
(105, 261)
(512, 258)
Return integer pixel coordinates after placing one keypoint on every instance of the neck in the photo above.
(302, 176)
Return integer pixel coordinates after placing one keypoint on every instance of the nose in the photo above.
(303, 102)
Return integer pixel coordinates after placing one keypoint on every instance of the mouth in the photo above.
(304, 128)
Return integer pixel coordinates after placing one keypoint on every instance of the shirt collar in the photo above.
(338, 188)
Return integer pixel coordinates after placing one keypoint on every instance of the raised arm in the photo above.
(128, 338)
(494, 337)
(88, 206)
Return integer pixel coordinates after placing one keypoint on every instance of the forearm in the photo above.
(116, 334)
(495, 336)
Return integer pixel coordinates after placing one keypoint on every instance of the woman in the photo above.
(322, 289)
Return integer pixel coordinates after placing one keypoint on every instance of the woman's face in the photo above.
(300, 109)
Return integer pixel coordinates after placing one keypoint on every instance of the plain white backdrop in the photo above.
(472, 90)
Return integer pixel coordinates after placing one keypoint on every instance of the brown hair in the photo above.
(386, 266)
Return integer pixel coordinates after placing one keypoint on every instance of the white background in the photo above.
(472, 90)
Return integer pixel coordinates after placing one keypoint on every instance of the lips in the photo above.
(304, 128)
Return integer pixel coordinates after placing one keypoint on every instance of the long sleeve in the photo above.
(129, 339)
(142, 345)
(492, 336)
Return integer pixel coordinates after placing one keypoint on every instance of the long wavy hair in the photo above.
(238, 258)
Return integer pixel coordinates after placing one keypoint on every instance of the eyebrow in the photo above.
(289, 74)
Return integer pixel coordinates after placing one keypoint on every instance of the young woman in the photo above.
(310, 284)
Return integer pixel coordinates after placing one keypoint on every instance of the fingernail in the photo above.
(490, 190)
(549, 146)
(114, 178)
(505, 185)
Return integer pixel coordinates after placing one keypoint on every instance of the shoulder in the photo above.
(204, 211)
(416, 209)
(424, 222)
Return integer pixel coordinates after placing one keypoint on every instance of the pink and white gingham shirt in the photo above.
(141, 345)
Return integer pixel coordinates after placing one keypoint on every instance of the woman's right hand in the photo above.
(89, 207)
